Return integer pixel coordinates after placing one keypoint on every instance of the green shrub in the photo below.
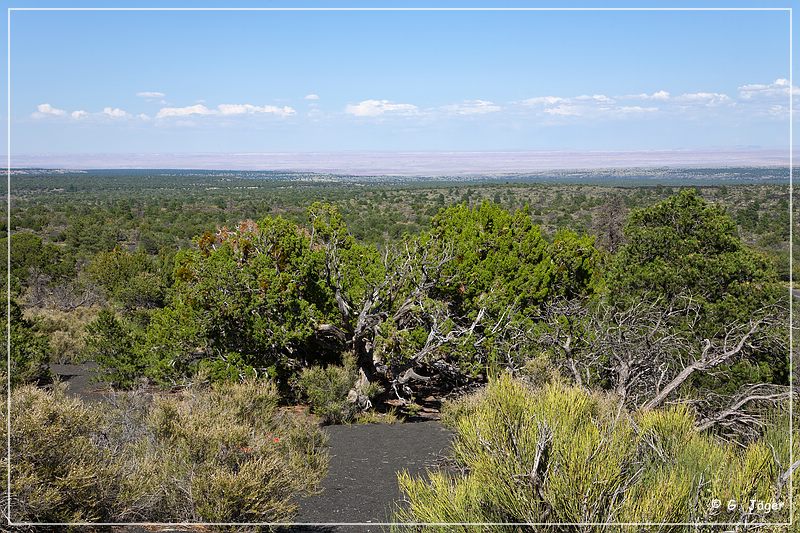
(374, 417)
(247, 298)
(110, 342)
(29, 350)
(223, 453)
(327, 390)
(561, 454)
(779, 440)
(453, 410)
(31, 255)
(129, 279)
(231, 366)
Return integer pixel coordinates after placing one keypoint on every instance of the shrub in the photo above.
(374, 417)
(454, 410)
(129, 279)
(66, 331)
(213, 454)
(327, 390)
(230, 449)
(110, 343)
(561, 454)
(29, 350)
(59, 472)
(30, 254)
(249, 298)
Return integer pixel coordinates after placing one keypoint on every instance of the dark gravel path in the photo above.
(361, 485)
(80, 380)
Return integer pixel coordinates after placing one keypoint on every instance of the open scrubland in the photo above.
(602, 354)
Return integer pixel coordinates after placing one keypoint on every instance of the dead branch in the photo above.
(712, 354)
(735, 412)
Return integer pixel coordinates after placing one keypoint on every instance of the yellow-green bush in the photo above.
(562, 454)
(776, 439)
(229, 447)
(326, 389)
(213, 454)
(454, 410)
(59, 473)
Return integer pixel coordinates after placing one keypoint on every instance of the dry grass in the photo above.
(66, 331)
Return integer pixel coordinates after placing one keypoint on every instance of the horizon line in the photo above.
(409, 162)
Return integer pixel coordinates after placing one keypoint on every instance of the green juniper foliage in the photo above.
(29, 350)
(687, 246)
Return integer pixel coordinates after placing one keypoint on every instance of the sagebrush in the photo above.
(225, 453)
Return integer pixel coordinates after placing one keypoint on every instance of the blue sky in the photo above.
(183, 82)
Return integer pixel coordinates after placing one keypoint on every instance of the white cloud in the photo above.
(635, 109)
(563, 110)
(599, 98)
(115, 112)
(225, 110)
(591, 105)
(779, 111)
(472, 107)
(709, 99)
(601, 105)
(374, 108)
(249, 109)
(777, 89)
(544, 100)
(44, 110)
(658, 95)
(198, 109)
(769, 98)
